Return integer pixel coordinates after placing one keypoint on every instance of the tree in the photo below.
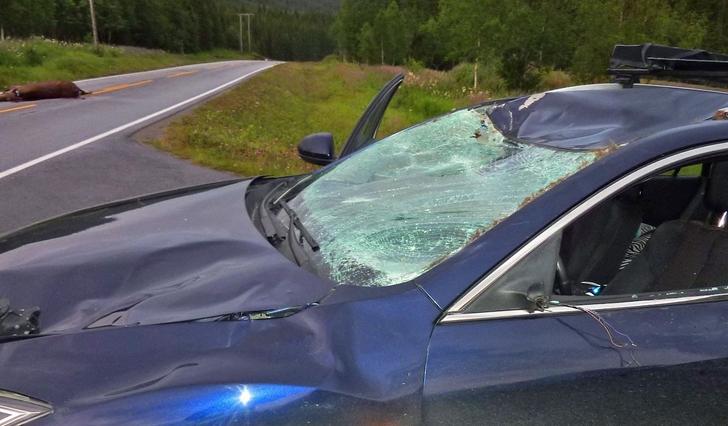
(346, 30)
(111, 20)
(521, 39)
(394, 35)
(469, 30)
(369, 44)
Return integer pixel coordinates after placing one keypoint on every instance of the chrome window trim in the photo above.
(617, 86)
(555, 309)
(471, 295)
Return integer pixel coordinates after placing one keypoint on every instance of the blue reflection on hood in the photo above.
(209, 405)
(237, 402)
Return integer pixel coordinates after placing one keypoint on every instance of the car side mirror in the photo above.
(536, 298)
(317, 148)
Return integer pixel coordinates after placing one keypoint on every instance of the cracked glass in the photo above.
(399, 207)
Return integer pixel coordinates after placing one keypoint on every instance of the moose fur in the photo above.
(721, 114)
(44, 90)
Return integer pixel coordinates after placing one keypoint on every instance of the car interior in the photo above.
(665, 234)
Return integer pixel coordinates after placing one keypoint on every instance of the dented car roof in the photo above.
(602, 115)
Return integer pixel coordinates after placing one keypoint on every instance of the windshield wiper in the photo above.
(296, 222)
(273, 229)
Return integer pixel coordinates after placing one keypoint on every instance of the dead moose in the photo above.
(44, 90)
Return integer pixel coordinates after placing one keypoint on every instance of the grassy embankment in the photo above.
(254, 129)
(23, 61)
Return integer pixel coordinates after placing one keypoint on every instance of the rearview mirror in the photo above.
(317, 148)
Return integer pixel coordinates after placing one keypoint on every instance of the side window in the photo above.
(531, 277)
(691, 170)
(658, 238)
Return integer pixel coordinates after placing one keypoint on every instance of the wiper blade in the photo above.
(273, 229)
(260, 315)
(295, 221)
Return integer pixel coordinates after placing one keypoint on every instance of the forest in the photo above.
(522, 39)
(178, 26)
(518, 40)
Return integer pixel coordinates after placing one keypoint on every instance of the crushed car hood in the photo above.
(187, 255)
(599, 116)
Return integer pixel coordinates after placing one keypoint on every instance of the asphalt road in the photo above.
(62, 155)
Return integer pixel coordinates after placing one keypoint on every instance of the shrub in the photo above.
(555, 79)
(489, 80)
(414, 65)
(8, 58)
(420, 103)
(32, 56)
(330, 59)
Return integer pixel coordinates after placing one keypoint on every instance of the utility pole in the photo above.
(250, 43)
(93, 23)
(240, 18)
(250, 39)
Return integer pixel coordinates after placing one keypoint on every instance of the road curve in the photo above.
(65, 154)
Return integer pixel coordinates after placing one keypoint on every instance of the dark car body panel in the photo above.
(345, 361)
(355, 355)
(172, 258)
(546, 370)
(612, 115)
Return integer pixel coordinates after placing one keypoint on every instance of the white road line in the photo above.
(131, 74)
(97, 138)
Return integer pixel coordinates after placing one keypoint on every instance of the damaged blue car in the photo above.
(559, 257)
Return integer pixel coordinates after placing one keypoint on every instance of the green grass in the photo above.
(254, 129)
(36, 59)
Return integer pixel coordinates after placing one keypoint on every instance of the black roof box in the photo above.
(630, 62)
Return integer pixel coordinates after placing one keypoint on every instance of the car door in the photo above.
(365, 131)
(648, 358)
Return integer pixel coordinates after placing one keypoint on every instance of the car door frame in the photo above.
(366, 128)
(507, 365)
(456, 312)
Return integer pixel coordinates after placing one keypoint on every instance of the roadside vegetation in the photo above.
(522, 39)
(287, 30)
(519, 41)
(254, 129)
(455, 53)
(39, 59)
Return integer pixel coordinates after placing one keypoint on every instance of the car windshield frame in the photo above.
(370, 235)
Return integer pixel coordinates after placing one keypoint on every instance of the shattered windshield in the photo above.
(397, 208)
